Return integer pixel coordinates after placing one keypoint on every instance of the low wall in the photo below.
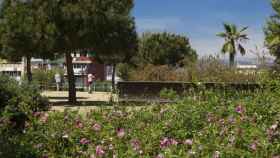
(152, 89)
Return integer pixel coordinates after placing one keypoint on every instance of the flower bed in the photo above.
(235, 125)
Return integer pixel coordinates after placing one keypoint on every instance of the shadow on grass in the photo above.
(123, 103)
(82, 103)
(65, 98)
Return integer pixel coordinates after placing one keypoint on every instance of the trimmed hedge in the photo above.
(153, 88)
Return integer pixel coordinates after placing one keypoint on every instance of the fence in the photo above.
(98, 86)
(132, 89)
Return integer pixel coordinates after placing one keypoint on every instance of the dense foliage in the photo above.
(206, 69)
(205, 124)
(25, 32)
(17, 104)
(272, 31)
(165, 49)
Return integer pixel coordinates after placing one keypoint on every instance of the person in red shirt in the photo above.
(91, 78)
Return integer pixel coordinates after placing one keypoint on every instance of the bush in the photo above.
(206, 69)
(17, 105)
(168, 94)
(45, 78)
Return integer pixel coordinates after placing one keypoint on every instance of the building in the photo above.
(84, 65)
(247, 69)
(15, 70)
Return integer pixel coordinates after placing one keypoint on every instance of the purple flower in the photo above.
(99, 151)
(239, 109)
(135, 144)
(96, 127)
(84, 141)
(120, 132)
(188, 142)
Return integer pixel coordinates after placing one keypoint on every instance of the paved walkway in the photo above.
(62, 96)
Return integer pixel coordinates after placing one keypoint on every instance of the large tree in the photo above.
(272, 31)
(165, 49)
(120, 44)
(233, 41)
(25, 31)
(81, 25)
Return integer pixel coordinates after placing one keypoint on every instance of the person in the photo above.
(57, 78)
(91, 77)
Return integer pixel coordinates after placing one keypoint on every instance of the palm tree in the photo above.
(233, 41)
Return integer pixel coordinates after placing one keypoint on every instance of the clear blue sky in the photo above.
(200, 20)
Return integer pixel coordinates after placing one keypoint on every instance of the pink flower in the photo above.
(84, 141)
(96, 127)
(166, 142)
(79, 124)
(135, 144)
(120, 132)
(173, 142)
(188, 142)
(253, 146)
(239, 109)
(99, 151)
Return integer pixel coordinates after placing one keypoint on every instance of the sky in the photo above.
(201, 20)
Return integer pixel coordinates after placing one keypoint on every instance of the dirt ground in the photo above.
(86, 101)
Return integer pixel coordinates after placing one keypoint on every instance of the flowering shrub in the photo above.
(233, 125)
(17, 105)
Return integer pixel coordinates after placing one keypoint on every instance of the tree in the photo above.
(120, 44)
(233, 41)
(165, 49)
(25, 32)
(81, 25)
(272, 31)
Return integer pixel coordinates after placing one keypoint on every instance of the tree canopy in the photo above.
(165, 49)
(25, 31)
(272, 31)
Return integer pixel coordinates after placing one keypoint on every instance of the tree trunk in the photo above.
(71, 79)
(232, 54)
(113, 78)
(28, 69)
(231, 59)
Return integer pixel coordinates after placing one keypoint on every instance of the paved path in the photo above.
(62, 96)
